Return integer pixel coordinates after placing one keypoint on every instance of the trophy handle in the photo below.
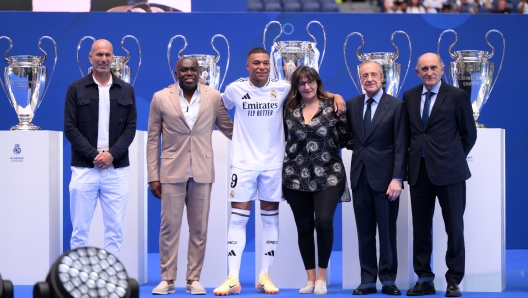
(398, 53)
(54, 64)
(266, 29)
(324, 36)
(357, 54)
(128, 54)
(179, 53)
(78, 49)
(5, 57)
(493, 52)
(218, 57)
(450, 47)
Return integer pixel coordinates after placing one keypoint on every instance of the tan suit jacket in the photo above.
(181, 145)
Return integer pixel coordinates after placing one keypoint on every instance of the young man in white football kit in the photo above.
(257, 158)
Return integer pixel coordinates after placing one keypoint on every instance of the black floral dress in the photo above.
(312, 160)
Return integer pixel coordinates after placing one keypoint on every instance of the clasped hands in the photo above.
(103, 160)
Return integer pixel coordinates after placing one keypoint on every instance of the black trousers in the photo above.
(323, 204)
(373, 209)
(452, 200)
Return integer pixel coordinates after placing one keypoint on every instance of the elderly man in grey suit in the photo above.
(183, 116)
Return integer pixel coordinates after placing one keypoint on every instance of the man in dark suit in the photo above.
(379, 165)
(442, 131)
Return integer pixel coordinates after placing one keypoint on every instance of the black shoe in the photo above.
(453, 290)
(422, 288)
(390, 290)
(364, 291)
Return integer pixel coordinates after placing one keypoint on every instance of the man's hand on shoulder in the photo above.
(103, 160)
(155, 189)
(339, 102)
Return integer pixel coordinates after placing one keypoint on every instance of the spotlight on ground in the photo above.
(6, 288)
(87, 272)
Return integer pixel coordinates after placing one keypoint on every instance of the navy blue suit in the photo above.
(378, 156)
(448, 137)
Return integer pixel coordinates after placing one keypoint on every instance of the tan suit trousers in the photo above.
(196, 196)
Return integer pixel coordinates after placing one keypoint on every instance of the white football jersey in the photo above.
(258, 133)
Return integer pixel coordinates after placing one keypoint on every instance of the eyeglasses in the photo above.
(373, 75)
(302, 84)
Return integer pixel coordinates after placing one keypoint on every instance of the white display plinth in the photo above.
(31, 200)
(484, 219)
(134, 250)
(405, 277)
(214, 270)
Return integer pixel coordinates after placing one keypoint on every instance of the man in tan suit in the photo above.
(184, 116)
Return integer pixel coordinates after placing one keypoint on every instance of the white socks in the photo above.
(270, 238)
(236, 239)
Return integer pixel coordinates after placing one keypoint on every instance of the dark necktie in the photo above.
(427, 107)
(425, 113)
(368, 115)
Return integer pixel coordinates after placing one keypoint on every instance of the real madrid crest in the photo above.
(17, 150)
(232, 193)
(273, 94)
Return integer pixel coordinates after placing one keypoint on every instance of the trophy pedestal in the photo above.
(31, 200)
(214, 269)
(405, 277)
(287, 270)
(484, 218)
(134, 250)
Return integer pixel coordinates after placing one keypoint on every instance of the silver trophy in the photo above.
(118, 66)
(472, 72)
(209, 70)
(286, 56)
(391, 83)
(25, 83)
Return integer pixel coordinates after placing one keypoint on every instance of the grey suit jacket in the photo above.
(179, 144)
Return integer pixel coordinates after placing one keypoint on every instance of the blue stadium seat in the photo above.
(272, 6)
(311, 7)
(255, 6)
(305, 1)
(277, 1)
(289, 1)
(329, 7)
(291, 6)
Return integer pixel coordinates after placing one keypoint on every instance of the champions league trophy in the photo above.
(391, 70)
(286, 56)
(472, 72)
(118, 66)
(25, 83)
(209, 72)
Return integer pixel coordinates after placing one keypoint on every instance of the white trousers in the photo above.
(110, 186)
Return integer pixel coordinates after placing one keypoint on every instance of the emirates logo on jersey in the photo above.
(273, 95)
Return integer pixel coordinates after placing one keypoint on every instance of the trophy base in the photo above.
(25, 126)
(480, 125)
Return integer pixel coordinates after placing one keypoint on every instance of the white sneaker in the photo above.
(320, 287)
(195, 288)
(308, 288)
(163, 288)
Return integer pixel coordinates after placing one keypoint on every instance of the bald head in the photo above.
(101, 56)
(187, 72)
(102, 43)
(430, 69)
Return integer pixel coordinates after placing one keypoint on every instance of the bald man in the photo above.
(181, 122)
(100, 123)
